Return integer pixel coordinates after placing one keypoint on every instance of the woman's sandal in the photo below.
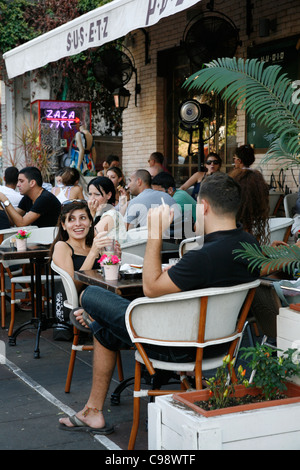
(77, 324)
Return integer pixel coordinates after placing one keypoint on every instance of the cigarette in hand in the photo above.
(163, 202)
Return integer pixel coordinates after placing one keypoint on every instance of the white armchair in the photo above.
(194, 319)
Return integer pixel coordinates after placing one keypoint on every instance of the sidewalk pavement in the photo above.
(33, 399)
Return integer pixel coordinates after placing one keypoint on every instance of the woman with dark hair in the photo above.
(244, 157)
(102, 197)
(254, 209)
(213, 164)
(75, 246)
(122, 196)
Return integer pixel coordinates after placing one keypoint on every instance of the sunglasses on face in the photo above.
(212, 162)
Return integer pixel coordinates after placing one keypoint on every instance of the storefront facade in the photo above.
(267, 30)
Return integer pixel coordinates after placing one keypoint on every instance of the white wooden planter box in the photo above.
(173, 426)
(288, 331)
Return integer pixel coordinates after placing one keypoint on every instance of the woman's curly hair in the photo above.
(254, 209)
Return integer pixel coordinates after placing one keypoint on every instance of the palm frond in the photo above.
(260, 90)
(284, 258)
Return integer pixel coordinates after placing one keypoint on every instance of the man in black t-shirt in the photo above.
(4, 221)
(37, 207)
(212, 265)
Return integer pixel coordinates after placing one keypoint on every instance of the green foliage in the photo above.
(262, 91)
(71, 77)
(87, 5)
(271, 371)
(14, 28)
(282, 257)
(220, 387)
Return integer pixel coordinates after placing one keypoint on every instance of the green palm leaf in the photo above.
(261, 91)
(284, 258)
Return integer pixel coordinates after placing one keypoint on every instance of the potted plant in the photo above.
(21, 239)
(268, 384)
(110, 265)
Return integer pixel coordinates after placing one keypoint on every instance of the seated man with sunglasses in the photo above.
(37, 207)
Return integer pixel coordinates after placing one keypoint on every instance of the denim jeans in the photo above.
(108, 311)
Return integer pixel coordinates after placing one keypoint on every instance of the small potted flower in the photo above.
(21, 240)
(110, 265)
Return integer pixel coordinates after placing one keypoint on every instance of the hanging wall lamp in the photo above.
(121, 98)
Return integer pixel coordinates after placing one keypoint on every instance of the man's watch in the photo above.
(7, 202)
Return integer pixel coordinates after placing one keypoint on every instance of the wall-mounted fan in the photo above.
(113, 68)
(208, 36)
(194, 119)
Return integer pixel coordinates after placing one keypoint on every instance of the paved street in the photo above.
(33, 398)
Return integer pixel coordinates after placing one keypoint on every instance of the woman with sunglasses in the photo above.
(102, 197)
(212, 165)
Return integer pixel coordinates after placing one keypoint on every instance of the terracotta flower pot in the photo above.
(21, 244)
(190, 399)
(111, 272)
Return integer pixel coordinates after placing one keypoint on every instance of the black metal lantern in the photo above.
(121, 98)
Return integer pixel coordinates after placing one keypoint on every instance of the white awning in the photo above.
(93, 29)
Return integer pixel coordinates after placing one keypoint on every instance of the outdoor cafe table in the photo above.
(38, 256)
(128, 288)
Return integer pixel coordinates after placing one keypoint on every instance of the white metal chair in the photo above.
(8, 232)
(289, 202)
(73, 302)
(5, 272)
(43, 235)
(131, 258)
(280, 228)
(197, 319)
(192, 243)
(136, 241)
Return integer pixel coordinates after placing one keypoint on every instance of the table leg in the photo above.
(3, 299)
(41, 321)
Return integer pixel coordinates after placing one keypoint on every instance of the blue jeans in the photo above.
(108, 311)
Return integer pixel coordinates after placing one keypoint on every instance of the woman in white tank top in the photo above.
(70, 188)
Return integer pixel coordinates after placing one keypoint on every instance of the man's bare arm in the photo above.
(155, 281)
(17, 216)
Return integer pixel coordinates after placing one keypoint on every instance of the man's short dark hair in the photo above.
(164, 179)
(33, 173)
(246, 154)
(11, 175)
(112, 158)
(158, 157)
(144, 175)
(222, 192)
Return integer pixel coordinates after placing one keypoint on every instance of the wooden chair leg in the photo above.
(72, 361)
(136, 407)
(120, 367)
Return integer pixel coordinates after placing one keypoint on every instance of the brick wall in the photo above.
(143, 130)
